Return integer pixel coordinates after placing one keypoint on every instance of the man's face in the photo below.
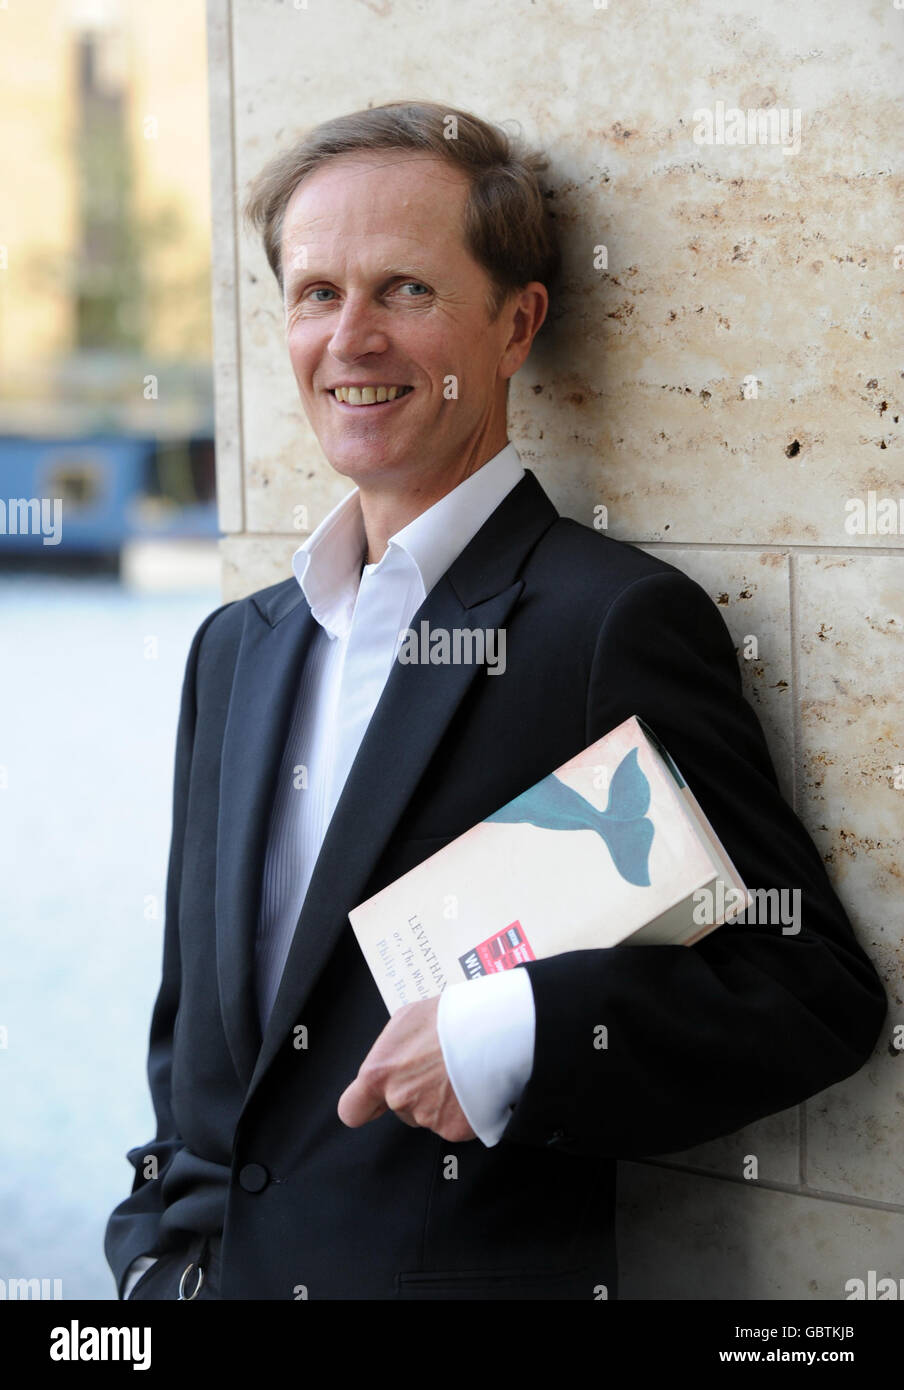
(380, 291)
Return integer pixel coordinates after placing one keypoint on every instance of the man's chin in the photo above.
(364, 466)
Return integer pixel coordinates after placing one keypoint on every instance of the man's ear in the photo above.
(525, 314)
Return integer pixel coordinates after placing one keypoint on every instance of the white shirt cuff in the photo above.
(135, 1271)
(486, 1031)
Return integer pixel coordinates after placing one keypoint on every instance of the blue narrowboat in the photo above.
(90, 495)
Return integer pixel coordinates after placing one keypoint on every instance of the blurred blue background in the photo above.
(106, 414)
(88, 707)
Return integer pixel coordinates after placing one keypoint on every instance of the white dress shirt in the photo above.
(486, 1026)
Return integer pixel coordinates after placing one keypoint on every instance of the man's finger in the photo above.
(358, 1105)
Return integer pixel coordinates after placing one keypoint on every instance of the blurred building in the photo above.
(104, 218)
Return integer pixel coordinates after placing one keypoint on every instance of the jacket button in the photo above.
(253, 1177)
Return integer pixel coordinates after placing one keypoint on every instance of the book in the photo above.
(611, 847)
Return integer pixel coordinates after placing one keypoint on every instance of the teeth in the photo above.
(367, 395)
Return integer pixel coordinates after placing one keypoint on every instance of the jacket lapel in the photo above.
(478, 591)
(274, 645)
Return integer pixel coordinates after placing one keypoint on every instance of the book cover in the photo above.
(611, 846)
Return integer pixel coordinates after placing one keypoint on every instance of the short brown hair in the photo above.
(508, 229)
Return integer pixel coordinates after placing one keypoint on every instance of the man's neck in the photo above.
(385, 515)
(387, 512)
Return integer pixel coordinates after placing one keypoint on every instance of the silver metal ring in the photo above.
(183, 1296)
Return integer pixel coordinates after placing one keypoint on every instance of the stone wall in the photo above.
(727, 388)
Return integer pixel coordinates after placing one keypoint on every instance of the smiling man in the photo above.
(307, 1147)
(401, 371)
(405, 382)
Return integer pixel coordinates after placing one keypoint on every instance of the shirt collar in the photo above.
(328, 564)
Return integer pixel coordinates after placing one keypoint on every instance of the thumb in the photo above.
(358, 1106)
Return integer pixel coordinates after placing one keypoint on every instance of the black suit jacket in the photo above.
(702, 1040)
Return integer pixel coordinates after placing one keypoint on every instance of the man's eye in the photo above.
(321, 290)
(418, 286)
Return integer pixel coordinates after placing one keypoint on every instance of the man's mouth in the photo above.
(368, 395)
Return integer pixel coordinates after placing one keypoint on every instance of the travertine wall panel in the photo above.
(741, 1240)
(851, 638)
(728, 387)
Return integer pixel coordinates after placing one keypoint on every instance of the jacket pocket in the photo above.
(578, 1283)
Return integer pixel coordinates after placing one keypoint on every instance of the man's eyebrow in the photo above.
(409, 268)
(312, 271)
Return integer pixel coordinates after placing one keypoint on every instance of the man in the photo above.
(305, 1144)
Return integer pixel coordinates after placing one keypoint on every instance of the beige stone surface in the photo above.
(251, 563)
(724, 261)
(228, 418)
(684, 1237)
(851, 640)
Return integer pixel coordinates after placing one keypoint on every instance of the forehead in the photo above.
(396, 196)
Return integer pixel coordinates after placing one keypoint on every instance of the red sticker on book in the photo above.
(503, 951)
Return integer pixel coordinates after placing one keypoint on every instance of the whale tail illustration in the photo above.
(624, 827)
(629, 843)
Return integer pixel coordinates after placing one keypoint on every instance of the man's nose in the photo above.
(358, 330)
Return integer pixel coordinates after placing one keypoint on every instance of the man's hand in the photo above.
(404, 1072)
